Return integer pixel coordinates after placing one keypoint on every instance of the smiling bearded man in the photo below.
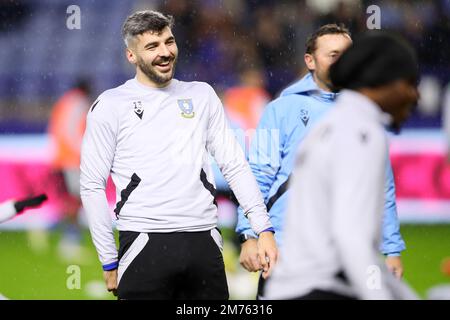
(154, 134)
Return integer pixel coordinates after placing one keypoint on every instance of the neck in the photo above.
(322, 85)
(369, 93)
(143, 79)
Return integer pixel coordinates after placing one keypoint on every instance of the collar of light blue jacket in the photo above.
(307, 86)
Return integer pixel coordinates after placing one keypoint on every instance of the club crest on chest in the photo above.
(187, 108)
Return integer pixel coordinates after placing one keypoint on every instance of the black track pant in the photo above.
(180, 265)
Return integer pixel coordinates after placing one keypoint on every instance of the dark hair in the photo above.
(84, 85)
(143, 21)
(311, 43)
(374, 59)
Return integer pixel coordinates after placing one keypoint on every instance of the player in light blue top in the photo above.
(284, 124)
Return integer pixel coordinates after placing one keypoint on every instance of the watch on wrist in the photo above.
(244, 237)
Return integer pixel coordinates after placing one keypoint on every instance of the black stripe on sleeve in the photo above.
(125, 193)
(209, 186)
(94, 105)
(281, 190)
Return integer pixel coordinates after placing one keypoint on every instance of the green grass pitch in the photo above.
(31, 268)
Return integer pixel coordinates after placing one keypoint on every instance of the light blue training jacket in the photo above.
(284, 124)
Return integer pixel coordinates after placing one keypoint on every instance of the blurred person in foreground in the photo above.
(333, 222)
(154, 135)
(66, 128)
(284, 124)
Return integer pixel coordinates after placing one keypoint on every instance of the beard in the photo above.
(150, 71)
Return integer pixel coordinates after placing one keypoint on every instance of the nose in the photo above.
(164, 51)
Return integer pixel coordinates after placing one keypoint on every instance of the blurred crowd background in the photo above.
(219, 41)
(248, 50)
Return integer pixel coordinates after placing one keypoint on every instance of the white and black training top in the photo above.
(334, 217)
(156, 143)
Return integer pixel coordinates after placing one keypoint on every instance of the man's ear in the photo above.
(130, 56)
(309, 61)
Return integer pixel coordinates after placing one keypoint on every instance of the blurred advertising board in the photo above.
(419, 160)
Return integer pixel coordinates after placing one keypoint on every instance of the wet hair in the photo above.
(374, 59)
(144, 21)
(311, 43)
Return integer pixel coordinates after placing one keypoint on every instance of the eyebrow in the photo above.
(153, 43)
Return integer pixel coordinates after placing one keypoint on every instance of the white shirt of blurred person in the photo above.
(333, 220)
(169, 243)
(11, 208)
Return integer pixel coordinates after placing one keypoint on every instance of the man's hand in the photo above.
(267, 252)
(111, 280)
(249, 255)
(395, 266)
